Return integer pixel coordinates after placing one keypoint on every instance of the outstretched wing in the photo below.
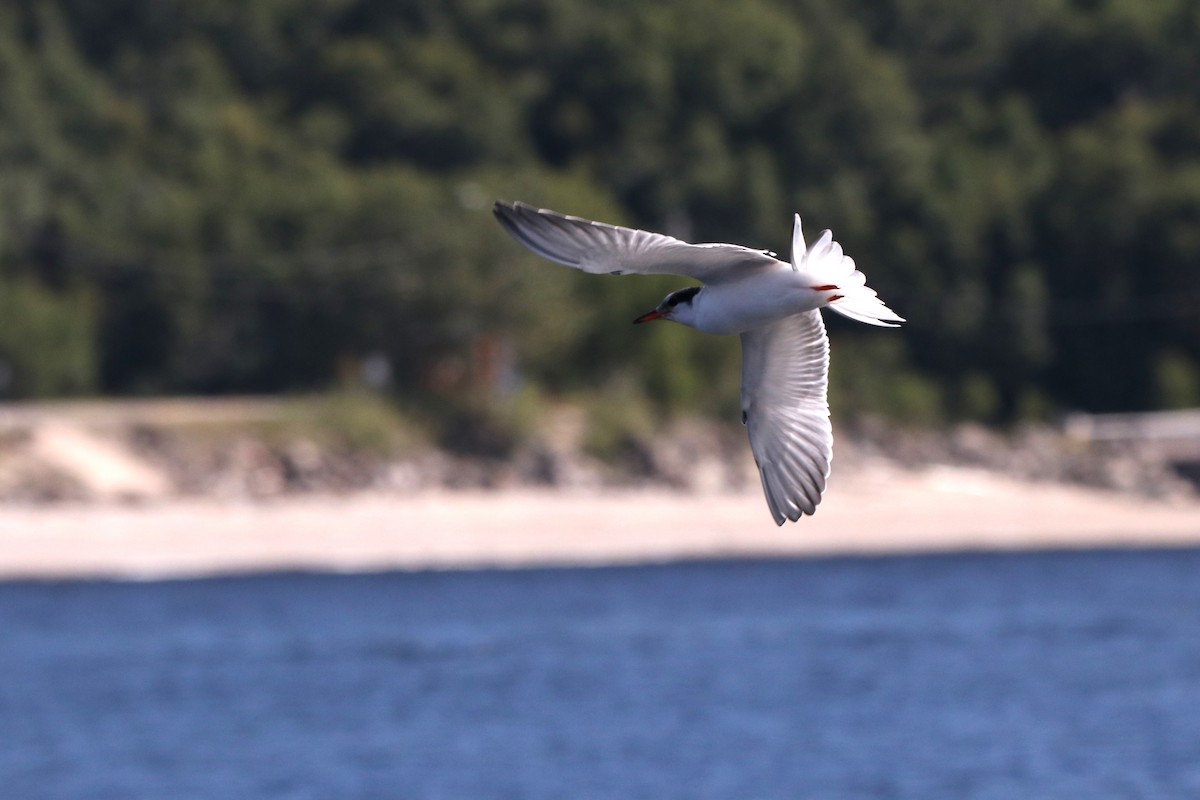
(609, 249)
(785, 371)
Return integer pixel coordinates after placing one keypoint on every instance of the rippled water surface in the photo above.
(1017, 676)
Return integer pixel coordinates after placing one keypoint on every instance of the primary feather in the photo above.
(600, 248)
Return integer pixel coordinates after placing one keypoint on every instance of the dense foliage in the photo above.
(220, 196)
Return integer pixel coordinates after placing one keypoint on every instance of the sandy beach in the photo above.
(871, 511)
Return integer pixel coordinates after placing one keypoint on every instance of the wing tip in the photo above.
(789, 501)
(506, 215)
(513, 209)
(506, 211)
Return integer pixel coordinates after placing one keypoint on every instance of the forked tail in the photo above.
(827, 267)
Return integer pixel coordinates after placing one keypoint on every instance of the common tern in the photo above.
(773, 305)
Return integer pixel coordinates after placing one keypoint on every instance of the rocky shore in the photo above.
(60, 459)
(202, 491)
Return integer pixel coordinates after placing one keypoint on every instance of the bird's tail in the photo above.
(864, 305)
(825, 265)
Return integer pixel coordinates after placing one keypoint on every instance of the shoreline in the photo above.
(872, 511)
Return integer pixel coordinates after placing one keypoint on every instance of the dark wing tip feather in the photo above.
(528, 225)
(505, 214)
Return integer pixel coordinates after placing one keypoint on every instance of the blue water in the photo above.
(1017, 676)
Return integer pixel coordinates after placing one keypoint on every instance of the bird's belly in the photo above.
(738, 307)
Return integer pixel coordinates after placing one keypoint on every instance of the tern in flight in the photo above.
(772, 305)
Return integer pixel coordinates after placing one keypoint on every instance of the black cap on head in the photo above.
(682, 296)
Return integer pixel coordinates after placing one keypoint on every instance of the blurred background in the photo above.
(292, 196)
(247, 249)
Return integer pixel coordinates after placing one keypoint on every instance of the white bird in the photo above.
(774, 307)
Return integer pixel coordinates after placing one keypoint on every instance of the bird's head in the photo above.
(677, 307)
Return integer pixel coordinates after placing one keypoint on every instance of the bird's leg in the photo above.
(828, 287)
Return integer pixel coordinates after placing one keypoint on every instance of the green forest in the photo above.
(216, 197)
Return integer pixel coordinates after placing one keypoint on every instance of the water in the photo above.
(1049, 676)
